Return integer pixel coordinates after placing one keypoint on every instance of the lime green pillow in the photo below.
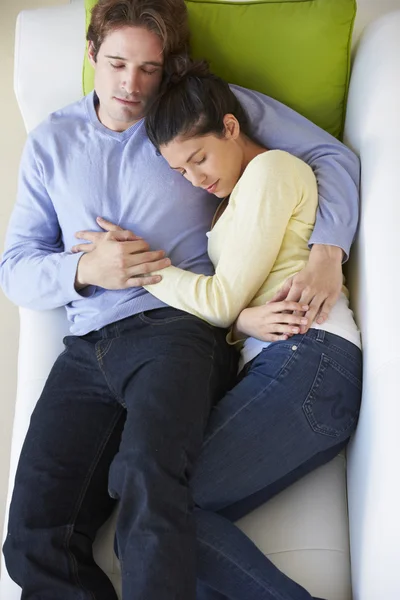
(297, 51)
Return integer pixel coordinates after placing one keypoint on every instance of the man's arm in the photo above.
(37, 273)
(35, 270)
(336, 167)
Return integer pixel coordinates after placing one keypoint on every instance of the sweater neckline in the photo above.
(91, 101)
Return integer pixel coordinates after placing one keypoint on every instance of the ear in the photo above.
(232, 127)
(91, 54)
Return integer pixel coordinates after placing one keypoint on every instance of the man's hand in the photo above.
(116, 259)
(271, 322)
(318, 284)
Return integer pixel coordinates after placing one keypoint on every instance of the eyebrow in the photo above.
(189, 159)
(154, 63)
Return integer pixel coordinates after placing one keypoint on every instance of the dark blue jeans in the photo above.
(124, 410)
(293, 410)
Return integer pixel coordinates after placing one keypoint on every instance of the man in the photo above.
(126, 403)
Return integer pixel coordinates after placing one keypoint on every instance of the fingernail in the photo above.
(305, 307)
(99, 219)
(304, 321)
(295, 330)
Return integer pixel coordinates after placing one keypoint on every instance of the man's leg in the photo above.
(292, 412)
(171, 369)
(60, 497)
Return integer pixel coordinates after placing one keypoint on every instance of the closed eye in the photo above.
(152, 72)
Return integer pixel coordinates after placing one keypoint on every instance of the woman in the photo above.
(298, 397)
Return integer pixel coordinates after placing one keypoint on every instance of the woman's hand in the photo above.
(271, 322)
(116, 259)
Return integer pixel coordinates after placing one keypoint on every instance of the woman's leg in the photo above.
(293, 411)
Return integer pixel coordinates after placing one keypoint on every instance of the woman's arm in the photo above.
(337, 170)
(262, 204)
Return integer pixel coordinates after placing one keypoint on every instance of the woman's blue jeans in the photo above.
(293, 410)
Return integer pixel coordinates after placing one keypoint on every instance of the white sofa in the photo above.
(304, 530)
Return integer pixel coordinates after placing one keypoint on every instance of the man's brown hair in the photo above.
(166, 18)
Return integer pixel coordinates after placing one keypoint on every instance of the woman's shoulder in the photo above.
(279, 166)
(271, 160)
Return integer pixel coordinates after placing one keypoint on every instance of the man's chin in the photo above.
(129, 115)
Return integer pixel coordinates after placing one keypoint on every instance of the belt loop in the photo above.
(320, 335)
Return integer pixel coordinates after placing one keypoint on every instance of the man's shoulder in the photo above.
(64, 121)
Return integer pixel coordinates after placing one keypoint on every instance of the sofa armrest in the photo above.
(35, 360)
(373, 131)
(45, 81)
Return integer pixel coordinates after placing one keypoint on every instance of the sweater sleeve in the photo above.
(35, 271)
(261, 206)
(335, 166)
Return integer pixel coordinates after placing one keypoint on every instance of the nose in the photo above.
(197, 179)
(131, 82)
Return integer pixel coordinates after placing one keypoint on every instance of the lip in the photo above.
(127, 102)
(211, 188)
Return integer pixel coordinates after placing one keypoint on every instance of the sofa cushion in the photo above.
(297, 51)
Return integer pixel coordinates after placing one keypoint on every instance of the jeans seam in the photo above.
(274, 593)
(101, 352)
(343, 353)
(100, 355)
(326, 430)
(149, 321)
(78, 505)
(254, 398)
(212, 356)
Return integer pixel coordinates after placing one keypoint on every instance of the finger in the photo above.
(90, 236)
(283, 292)
(82, 248)
(311, 314)
(107, 225)
(274, 337)
(287, 305)
(284, 329)
(290, 319)
(324, 311)
(295, 293)
(134, 248)
(143, 280)
(143, 268)
(124, 235)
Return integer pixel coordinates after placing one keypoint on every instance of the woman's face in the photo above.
(210, 162)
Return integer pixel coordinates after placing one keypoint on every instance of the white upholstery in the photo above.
(49, 46)
(304, 530)
(372, 129)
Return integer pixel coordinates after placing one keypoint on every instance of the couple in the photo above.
(127, 404)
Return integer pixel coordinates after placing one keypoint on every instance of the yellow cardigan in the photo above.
(260, 240)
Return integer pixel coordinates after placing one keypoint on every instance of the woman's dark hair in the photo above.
(193, 102)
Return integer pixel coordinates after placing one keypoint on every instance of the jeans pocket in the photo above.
(332, 405)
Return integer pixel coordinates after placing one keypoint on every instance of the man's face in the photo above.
(128, 72)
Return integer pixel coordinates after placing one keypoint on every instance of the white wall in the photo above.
(11, 141)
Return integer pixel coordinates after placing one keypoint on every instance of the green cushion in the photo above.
(297, 51)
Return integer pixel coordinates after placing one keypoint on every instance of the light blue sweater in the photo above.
(73, 169)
